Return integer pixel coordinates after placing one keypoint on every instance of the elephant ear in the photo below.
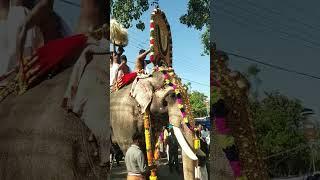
(142, 91)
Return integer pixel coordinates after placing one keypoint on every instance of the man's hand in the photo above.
(20, 42)
(89, 55)
(120, 51)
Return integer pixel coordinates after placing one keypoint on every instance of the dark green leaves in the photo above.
(198, 16)
(127, 11)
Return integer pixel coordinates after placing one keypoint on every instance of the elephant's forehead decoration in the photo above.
(172, 80)
(160, 39)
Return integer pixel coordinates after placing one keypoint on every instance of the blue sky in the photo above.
(187, 48)
(238, 28)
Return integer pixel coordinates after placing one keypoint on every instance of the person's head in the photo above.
(141, 51)
(120, 50)
(171, 131)
(137, 138)
(123, 59)
(197, 133)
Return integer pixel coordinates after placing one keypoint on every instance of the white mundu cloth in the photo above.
(16, 17)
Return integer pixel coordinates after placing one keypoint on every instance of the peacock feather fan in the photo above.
(118, 34)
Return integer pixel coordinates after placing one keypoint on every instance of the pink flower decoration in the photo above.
(174, 87)
(221, 126)
(235, 165)
(183, 114)
(179, 101)
(166, 76)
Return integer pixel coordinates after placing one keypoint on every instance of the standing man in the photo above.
(165, 139)
(173, 151)
(135, 159)
(202, 160)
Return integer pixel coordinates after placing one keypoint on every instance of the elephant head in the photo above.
(164, 96)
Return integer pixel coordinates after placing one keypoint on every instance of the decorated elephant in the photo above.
(39, 138)
(235, 153)
(151, 101)
(161, 101)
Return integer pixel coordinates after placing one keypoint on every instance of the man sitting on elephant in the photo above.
(140, 66)
(84, 93)
(29, 24)
(140, 61)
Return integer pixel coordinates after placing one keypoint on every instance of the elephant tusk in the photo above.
(184, 145)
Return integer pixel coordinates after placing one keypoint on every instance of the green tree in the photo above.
(126, 12)
(198, 17)
(187, 86)
(252, 74)
(277, 120)
(198, 104)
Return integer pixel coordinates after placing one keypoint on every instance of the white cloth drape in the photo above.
(16, 17)
(86, 96)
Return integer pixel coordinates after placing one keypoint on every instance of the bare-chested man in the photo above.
(93, 15)
(27, 24)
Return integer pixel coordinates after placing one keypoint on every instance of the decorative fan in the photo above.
(118, 34)
(160, 39)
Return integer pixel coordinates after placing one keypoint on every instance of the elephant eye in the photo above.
(164, 103)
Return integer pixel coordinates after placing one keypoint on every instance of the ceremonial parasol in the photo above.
(160, 39)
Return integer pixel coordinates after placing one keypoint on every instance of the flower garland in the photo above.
(151, 40)
(182, 100)
(169, 75)
(226, 140)
(150, 154)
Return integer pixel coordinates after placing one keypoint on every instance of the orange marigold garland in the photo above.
(150, 154)
(182, 98)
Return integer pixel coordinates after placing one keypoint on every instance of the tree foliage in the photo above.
(198, 14)
(128, 11)
(277, 120)
(198, 104)
(198, 17)
(252, 74)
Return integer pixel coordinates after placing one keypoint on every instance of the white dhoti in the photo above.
(203, 173)
(87, 96)
(16, 18)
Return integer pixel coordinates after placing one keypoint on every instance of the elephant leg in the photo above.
(104, 149)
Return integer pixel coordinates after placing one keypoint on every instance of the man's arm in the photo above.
(140, 59)
(141, 163)
(35, 17)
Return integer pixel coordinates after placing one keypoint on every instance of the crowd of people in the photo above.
(169, 151)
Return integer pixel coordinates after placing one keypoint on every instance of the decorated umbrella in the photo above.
(160, 39)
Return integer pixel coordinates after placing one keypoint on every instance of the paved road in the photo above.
(120, 173)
